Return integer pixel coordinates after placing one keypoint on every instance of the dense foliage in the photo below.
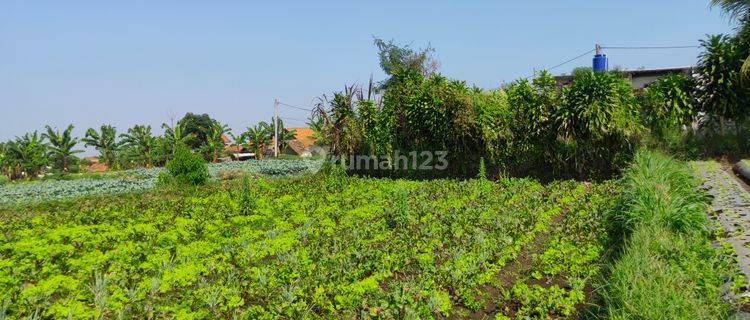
(25, 157)
(198, 126)
(668, 103)
(105, 141)
(61, 150)
(187, 167)
(589, 129)
(278, 249)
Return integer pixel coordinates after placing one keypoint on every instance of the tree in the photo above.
(28, 155)
(175, 136)
(739, 10)
(395, 59)
(214, 142)
(668, 103)
(197, 126)
(317, 125)
(284, 134)
(105, 141)
(598, 123)
(61, 146)
(142, 142)
(721, 92)
(5, 161)
(258, 137)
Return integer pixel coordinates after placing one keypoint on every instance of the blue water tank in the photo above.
(601, 63)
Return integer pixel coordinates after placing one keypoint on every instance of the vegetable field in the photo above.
(312, 247)
(137, 180)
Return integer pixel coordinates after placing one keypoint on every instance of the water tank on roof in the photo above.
(601, 63)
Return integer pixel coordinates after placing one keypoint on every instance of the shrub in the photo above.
(668, 103)
(532, 143)
(187, 167)
(598, 124)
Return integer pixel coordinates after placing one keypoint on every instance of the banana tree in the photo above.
(105, 141)
(258, 137)
(176, 136)
(28, 154)
(142, 142)
(61, 147)
(214, 143)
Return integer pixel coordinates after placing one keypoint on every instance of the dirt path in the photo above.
(731, 208)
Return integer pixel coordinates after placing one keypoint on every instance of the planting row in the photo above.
(267, 249)
(138, 179)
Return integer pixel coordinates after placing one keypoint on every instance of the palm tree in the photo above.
(259, 138)
(105, 141)
(61, 147)
(317, 125)
(142, 141)
(214, 143)
(739, 10)
(176, 136)
(28, 155)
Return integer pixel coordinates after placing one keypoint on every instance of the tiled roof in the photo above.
(305, 136)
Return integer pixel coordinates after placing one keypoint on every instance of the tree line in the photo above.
(57, 151)
(588, 129)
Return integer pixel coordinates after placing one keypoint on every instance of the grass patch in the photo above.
(666, 266)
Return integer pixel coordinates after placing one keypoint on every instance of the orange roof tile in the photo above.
(225, 138)
(304, 135)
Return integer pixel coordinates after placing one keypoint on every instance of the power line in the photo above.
(294, 107)
(293, 119)
(618, 48)
(566, 61)
(652, 48)
(572, 59)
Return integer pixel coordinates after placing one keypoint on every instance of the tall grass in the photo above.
(667, 268)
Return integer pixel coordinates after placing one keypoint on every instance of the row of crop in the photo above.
(666, 265)
(562, 277)
(367, 248)
(137, 180)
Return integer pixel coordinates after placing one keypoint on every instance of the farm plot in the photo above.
(345, 248)
(137, 180)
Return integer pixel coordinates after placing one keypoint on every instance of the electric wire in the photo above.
(295, 107)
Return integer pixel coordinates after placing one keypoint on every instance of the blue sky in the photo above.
(143, 62)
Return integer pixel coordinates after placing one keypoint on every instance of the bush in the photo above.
(598, 124)
(660, 190)
(668, 103)
(187, 167)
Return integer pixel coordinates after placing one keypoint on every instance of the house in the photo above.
(235, 152)
(638, 79)
(303, 143)
(95, 165)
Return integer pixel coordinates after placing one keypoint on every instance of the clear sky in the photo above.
(143, 62)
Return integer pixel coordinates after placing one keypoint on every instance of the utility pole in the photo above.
(276, 128)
